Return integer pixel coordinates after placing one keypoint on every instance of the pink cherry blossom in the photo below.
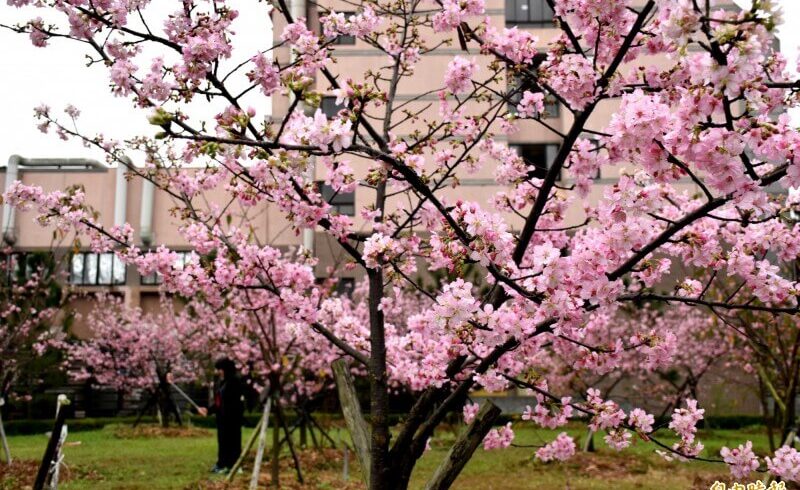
(741, 460)
(561, 449)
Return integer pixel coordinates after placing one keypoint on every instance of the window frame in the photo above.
(157, 278)
(334, 106)
(552, 106)
(341, 39)
(12, 266)
(114, 279)
(544, 19)
(338, 200)
(552, 147)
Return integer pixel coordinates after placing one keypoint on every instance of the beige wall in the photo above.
(269, 225)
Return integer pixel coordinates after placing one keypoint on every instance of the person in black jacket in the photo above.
(228, 407)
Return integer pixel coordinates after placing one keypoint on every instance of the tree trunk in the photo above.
(303, 434)
(379, 393)
(461, 452)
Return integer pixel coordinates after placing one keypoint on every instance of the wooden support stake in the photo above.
(588, 444)
(359, 431)
(51, 450)
(461, 451)
(346, 466)
(275, 460)
(3, 438)
(262, 441)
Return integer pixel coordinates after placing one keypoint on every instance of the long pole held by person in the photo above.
(182, 393)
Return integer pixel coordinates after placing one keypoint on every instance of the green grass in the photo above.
(102, 460)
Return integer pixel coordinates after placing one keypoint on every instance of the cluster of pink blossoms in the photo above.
(359, 25)
(453, 13)
(334, 134)
(684, 423)
(549, 415)
(561, 449)
(499, 438)
(531, 104)
(265, 74)
(515, 44)
(785, 463)
(741, 460)
(307, 46)
(458, 77)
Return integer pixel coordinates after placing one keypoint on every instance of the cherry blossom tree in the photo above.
(703, 132)
(31, 299)
(131, 350)
(766, 345)
(639, 355)
(642, 354)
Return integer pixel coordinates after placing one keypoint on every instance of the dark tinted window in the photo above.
(536, 12)
(342, 202)
(341, 39)
(155, 278)
(329, 106)
(345, 286)
(540, 156)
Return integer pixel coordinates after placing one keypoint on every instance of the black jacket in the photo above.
(228, 405)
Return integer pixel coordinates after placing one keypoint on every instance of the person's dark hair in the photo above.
(227, 366)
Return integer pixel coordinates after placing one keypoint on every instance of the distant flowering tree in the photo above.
(767, 346)
(30, 302)
(703, 128)
(642, 353)
(132, 350)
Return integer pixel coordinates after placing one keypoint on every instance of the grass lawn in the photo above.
(111, 458)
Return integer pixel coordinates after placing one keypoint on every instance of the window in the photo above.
(19, 266)
(91, 269)
(329, 106)
(552, 108)
(345, 287)
(596, 142)
(342, 202)
(12, 264)
(533, 12)
(154, 278)
(539, 156)
(341, 39)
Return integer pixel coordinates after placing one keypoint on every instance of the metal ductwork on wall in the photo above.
(18, 164)
(298, 10)
(146, 218)
(121, 193)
